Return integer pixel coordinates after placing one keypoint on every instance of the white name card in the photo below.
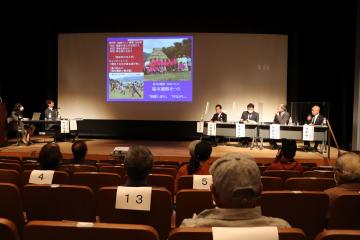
(73, 125)
(64, 126)
(211, 129)
(240, 130)
(274, 131)
(248, 233)
(133, 198)
(41, 176)
(200, 127)
(202, 181)
(308, 133)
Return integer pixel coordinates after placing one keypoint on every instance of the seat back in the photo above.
(158, 217)
(164, 163)
(10, 176)
(164, 170)
(60, 177)
(59, 202)
(345, 214)
(11, 205)
(283, 174)
(96, 180)
(11, 166)
(262, 169)
(339, 234)
(31, 166)
(190, 201)
(71, 168)
(118, 169)
(272, 183)
(302, 209)
(57, 230)
(205, 233)
(185, 182)
(161, 180)
(319, 174)
(309, 184)
(8, 230)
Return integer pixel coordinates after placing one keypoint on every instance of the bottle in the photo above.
(49, 116)
(290, 121)
(324, 122)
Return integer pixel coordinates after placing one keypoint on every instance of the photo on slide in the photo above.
(167, 59)
(150, 69)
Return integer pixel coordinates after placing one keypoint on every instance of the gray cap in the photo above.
(233, 172)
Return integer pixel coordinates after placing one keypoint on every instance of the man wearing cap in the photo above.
(235, 190)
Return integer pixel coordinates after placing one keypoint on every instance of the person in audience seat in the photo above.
(50, 156)
(79, 150)
(285, 157)
(235, 190)
(138, 164)
(200, 152)
(347, 176)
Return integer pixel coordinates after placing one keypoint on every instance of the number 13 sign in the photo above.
(133, 198)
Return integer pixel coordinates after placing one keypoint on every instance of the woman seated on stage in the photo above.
(26, 130)
(285, 157)
(200, 152)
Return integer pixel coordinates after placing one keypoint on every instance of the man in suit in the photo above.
(246, 116)
(281, 117)
(52, 114)
(219, 116)
(250, 114)
(313, 119)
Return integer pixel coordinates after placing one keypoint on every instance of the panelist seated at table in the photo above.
(249, 116)
(313, 119)
(15, 123)
(219, 116)
(281, 117)
(52, 114)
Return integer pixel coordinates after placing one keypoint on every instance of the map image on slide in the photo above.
(150, 69)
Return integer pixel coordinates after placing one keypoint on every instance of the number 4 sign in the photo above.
(41, 177)
(133, 198)
(202, 181)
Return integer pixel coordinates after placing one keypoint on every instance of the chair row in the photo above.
(306, 210)
(57, 230)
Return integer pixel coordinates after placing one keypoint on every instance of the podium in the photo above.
(3, 124)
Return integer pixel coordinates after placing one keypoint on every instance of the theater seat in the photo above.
(185, 182)
(190, 201)
(319, 174)
(11, 166)
(158, 217)
(345, 213)
(161, 180)
(339, 234)
(59, 202)
(8, 230)
(309, 184)
(10, 176)
(60, 177)
(71, 168)
(205, 233)
(302, 209)
(272, 183)
(11, 206)
(164, 170)
(118, 169)
(283, 174)
(96, 180)
(57, 230)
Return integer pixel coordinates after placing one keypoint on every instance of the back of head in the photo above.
(79, 150)
(202, 152)
(192, 147)
(50, 156)
(288, 149)
(138, 162)
(236, 179)
(348, 165)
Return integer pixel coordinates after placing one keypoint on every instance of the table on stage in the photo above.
(262, 131)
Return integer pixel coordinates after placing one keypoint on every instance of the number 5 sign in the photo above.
(202, 181)
(41, 177)
(133, 198)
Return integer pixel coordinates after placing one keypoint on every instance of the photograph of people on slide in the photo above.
(126, 86)
(167, 59)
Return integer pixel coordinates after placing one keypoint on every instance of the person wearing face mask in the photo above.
(248, 116)
(26, 130)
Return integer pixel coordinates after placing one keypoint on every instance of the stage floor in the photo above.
(101, 149)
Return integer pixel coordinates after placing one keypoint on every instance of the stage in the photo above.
(101, 149)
